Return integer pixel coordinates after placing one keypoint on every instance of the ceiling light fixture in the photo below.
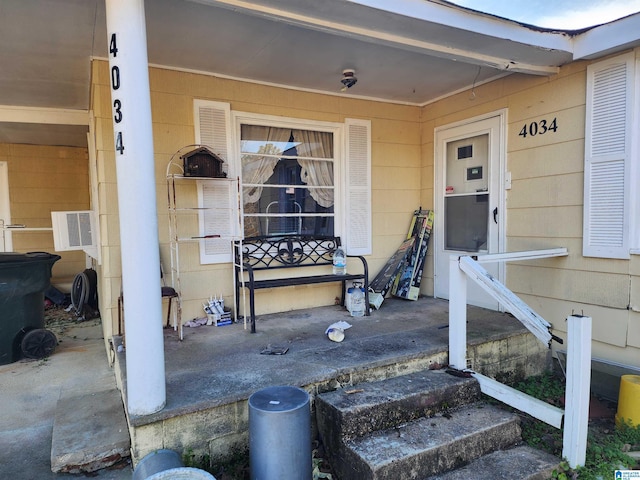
(349, 79)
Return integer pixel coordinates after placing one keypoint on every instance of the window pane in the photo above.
(262, 139)
(289, 210)
(466, 222)
(274, 140)
(287, 181)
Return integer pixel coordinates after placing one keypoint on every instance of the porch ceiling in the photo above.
(404, 51)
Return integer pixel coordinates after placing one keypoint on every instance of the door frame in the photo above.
(6, 243)
(497, 198)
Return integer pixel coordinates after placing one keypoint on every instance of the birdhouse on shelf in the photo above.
(202, 162)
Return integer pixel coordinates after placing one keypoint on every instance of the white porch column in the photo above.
(131, 110)
(457, 315)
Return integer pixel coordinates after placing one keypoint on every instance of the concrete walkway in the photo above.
(30, 391)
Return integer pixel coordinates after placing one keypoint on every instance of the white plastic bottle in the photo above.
(339, 262)
(357, 302)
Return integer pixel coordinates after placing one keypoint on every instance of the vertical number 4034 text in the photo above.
(115, 85)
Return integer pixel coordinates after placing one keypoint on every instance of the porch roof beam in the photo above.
(383, 38)
(50, 116)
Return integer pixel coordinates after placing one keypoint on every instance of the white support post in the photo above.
(574, 444)
(133, 142)
(457, 315)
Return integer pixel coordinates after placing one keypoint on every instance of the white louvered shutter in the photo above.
(607, 166)
(219, 199)
(212, 121)
(358, 187)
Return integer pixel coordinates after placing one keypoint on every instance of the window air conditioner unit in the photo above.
(75, 231)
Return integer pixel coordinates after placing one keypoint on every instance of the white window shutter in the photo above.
(358, 187)
(218, 198)
(212, 121)
(606, 227)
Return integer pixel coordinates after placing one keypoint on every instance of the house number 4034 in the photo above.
(115, 86)
(539, 128)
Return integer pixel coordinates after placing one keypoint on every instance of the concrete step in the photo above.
(519, 463)
(387, 406)
(421, 425)
(89, 430)
(429, 446)
(353, 412)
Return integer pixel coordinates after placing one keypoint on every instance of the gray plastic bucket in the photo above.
(167, 465)
(182, 473)
(280, 434)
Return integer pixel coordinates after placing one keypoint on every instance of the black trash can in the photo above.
(24, 277)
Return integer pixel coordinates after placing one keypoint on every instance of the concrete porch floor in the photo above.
(213, 371)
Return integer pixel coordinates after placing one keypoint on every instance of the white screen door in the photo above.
(469, 200)
(5, 216)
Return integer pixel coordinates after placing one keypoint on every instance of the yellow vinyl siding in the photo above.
(544, 204)
(396, 170)
(43, 179)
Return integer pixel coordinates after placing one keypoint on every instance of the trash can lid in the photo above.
(182, 473)
(15, 257)
(278, 399)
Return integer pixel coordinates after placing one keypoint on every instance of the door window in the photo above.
(466, 202)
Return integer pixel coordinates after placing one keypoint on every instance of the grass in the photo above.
(607, 445)
(236, 467)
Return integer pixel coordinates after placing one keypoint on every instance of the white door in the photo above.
(5, 216)
(469, 200)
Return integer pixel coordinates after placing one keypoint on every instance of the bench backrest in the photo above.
(269, 252)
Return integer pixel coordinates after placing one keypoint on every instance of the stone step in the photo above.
(518, 463)
(353, 412)
(89, 430)
(429, 446)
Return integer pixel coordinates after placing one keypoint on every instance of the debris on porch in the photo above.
(216, 312)
(273, 350)
(402, 274)
(403, 338)
(335, 331)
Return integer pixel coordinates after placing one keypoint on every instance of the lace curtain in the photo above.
(257, 169)
(316, 173)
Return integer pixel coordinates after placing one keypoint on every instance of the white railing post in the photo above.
(457, 315)
(576, 420)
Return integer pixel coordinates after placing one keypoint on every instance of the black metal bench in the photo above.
(291, 252)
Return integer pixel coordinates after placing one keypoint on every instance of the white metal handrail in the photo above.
(576, 414)
(530, 319)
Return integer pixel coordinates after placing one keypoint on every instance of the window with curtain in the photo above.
(288, 183)
(296, 175)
